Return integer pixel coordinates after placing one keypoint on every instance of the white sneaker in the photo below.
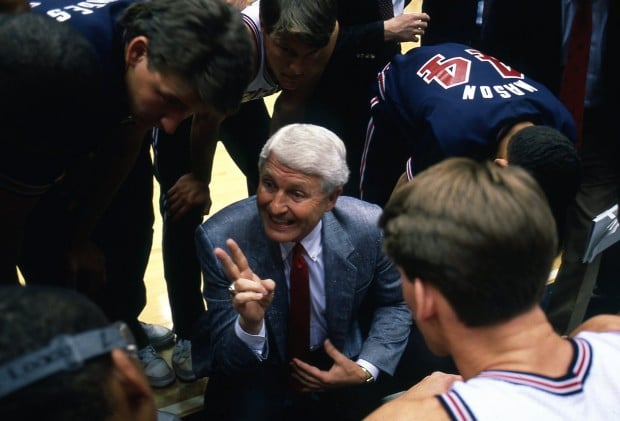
(159, 336)
(157, 370)
(182, 360)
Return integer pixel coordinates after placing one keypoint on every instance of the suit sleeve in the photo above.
(381, 313)
(370, 35)
(390, 322)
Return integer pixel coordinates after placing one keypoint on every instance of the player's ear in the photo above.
(132, 392)
(425, 300)
(135, 51)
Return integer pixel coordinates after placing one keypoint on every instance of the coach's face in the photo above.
(290, 203)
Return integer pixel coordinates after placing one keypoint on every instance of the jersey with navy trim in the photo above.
(588, 391)
(96, 21)
(449, 100)
(263, 84)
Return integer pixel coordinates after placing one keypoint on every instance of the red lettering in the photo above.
(504, 70)
(448, 73)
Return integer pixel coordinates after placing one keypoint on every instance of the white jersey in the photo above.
(590, 390)
(263, 84)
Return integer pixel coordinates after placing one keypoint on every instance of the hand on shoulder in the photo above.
(419, 402)
(434, 384)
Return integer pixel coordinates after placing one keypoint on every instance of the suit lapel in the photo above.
(340, 282)
(340, 279)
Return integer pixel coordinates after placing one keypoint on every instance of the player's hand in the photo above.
(407, 27)
(434, 384)
(238, 4)
(187, 193)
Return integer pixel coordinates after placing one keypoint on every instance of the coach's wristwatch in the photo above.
(369, 377)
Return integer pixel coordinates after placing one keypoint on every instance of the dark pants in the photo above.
(599, 191)
(124, 235)
(181, 267)
(264, 393)
(606, 295)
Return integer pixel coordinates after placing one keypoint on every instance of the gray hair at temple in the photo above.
(312, 150)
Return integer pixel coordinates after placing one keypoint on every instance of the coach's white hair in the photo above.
(312, 150)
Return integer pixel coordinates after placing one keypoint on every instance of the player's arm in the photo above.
(91, 188)
(600, 323)
(192, 189)
(410, 410)
(112, 162)
(203, 141)
(420, 402)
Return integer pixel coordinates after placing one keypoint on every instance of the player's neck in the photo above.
(526, 343)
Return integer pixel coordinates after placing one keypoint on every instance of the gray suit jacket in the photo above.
(357, 275)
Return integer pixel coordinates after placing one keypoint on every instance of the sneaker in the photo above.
(182, 360)
(159, 336)
(157, 370)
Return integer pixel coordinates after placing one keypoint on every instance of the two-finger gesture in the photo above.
(251, 296)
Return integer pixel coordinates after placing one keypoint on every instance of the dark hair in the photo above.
(312, 22)
(481, 234)
(29, 318)
(205, 42)
(49, 78)
(552, 159)
(12, 6)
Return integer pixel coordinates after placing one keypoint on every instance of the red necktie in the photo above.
(386, 9)
(299, 321)
(573, 89)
